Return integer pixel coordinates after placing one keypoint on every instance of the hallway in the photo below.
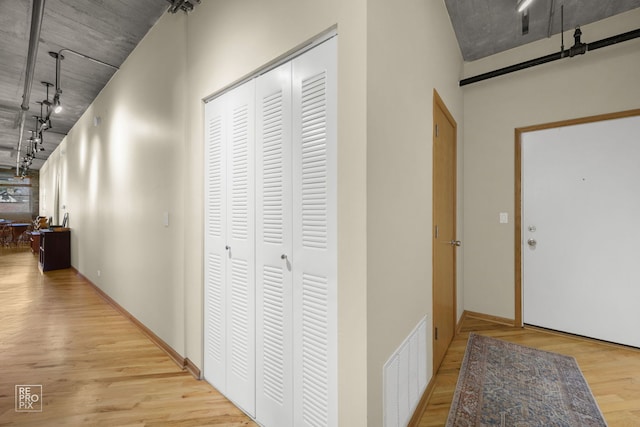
(95, 367)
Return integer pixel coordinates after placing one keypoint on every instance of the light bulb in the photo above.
(57, 106)
(523, 5)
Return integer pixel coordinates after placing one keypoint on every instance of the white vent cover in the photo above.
(405, 377)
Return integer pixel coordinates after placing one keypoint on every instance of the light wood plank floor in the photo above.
(95, 367)
(613, 372)
(98, 369)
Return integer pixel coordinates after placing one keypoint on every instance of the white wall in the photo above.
(118, 178)
(599, 82)
(412, 50)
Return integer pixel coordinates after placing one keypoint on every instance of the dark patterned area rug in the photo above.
(506, 384)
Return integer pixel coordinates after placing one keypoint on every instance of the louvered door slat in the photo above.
(214, 242)
(274, 382)
(229, 331)
(315, 231)
(240, 345)
(270, 199)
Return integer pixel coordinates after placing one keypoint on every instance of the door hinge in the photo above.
(437, 130)
(437, 232)
(436, 333)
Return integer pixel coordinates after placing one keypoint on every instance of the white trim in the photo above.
(286, 57)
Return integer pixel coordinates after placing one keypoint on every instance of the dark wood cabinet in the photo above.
(55, 249)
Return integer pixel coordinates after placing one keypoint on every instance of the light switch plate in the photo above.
(504, 217)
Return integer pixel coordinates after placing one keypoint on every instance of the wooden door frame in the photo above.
(518, 321)
(439, 103)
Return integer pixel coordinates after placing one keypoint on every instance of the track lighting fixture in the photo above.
(186, 6)
(35, 137)
(57, 106)
(57, 103)
(43, 122)
(523, 4)
(36, 140)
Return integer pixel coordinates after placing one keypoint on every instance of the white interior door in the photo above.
(271, 242)
(274, 299)
(580, 210)
(215, 240)
(315, 228)
(241, 247)
(230, 246)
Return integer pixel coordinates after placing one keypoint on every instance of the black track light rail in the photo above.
(578, 48)
(58, 56)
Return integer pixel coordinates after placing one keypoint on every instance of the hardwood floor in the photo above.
(613, 372)
(95, 367)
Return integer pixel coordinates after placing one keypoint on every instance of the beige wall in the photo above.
(412, 50)
(118, 178)
(146, 158)
(47, 182)
(601, 81)
(229, 40)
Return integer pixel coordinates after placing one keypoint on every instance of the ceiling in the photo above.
(108, 30)
(486, 27)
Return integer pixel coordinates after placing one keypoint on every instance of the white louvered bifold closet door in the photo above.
(274, 260)
(230, 258)
(271, 298)
(215, 237)
(315, 236)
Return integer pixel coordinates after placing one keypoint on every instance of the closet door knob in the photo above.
(283, 256)
(227, 247)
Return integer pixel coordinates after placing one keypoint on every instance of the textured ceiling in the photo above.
(109, 30)
(105, 30)
(486, 27)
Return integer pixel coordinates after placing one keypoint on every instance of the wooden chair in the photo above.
(5, 235)
(24, 238)
(40, 223)
(17, 233)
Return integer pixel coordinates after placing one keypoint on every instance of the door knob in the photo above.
(227, 247)
(455, 243)
(283, 256)
(532, 243)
